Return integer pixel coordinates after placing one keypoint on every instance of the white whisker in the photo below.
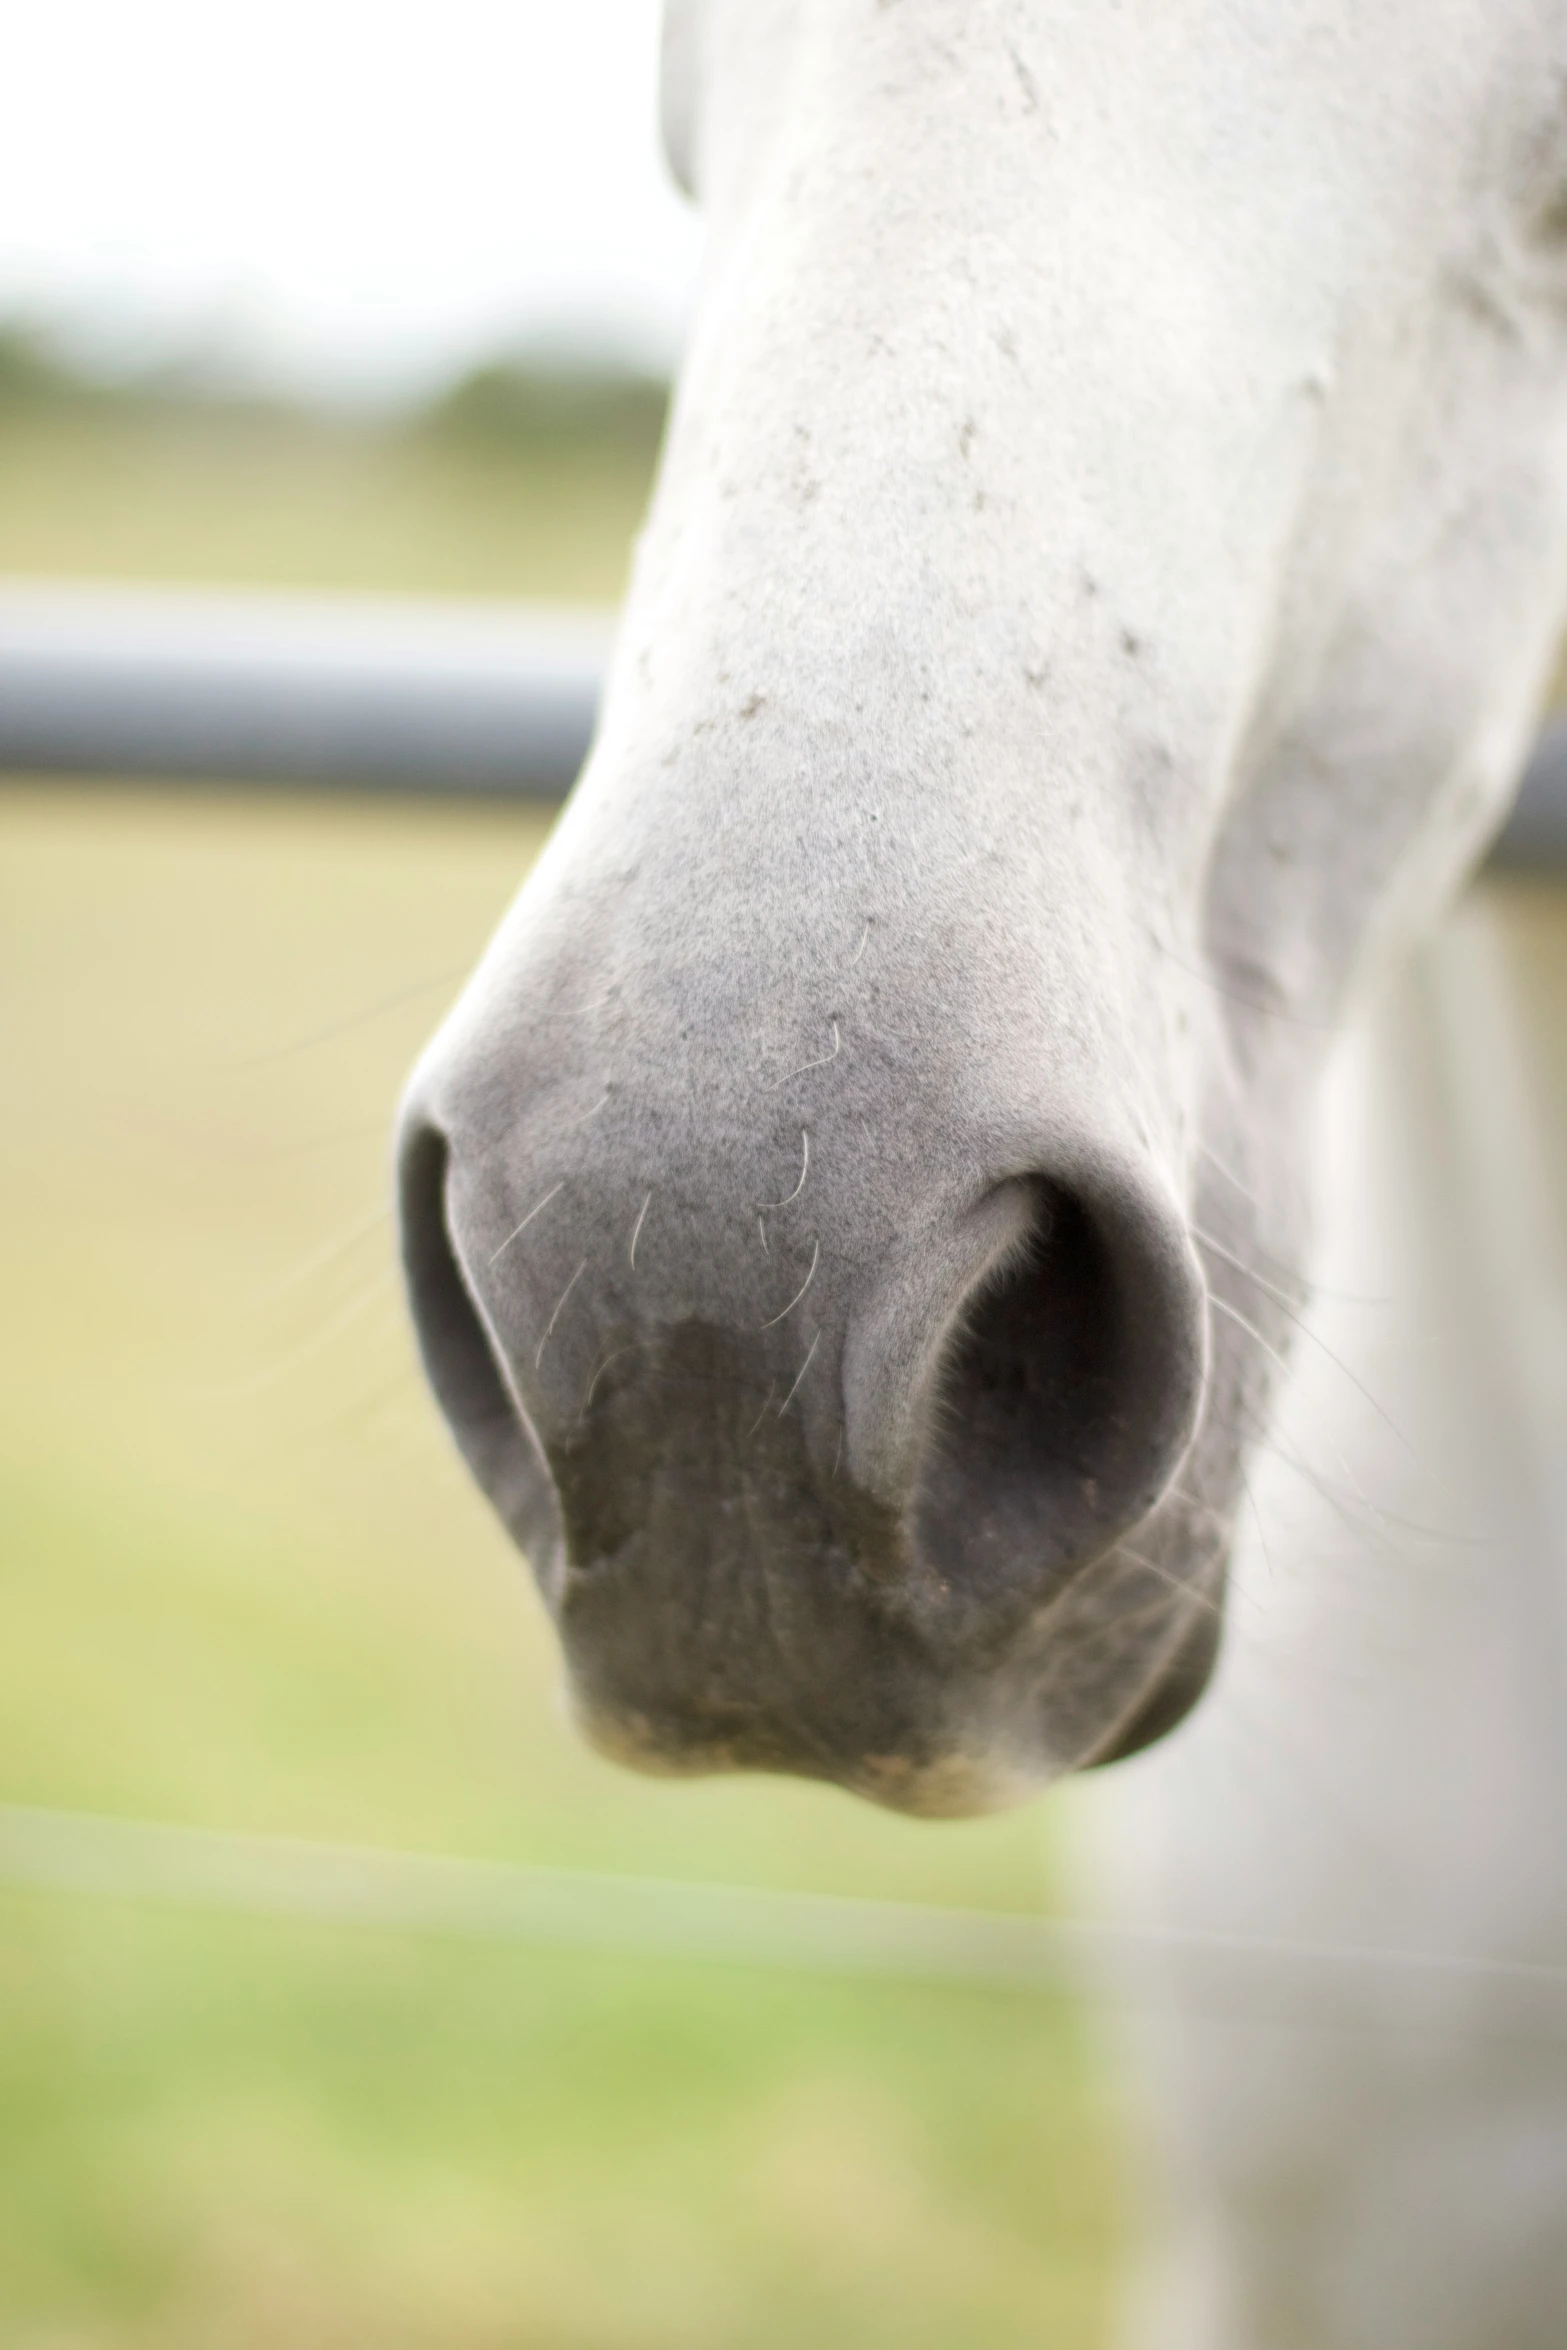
(328, 1254)
(1194, 1501)
(1257, 1521)
(549, 1327)
(816, 1253)
(520, 1229)
(1386, 1517)
(1284, 1303)
(377, 1290)
(805, 1165)
(1229, 1175)
(837, 1047)
(1233, 1313)
(1182, 1590)
(353, 1020)
(636, 1230)
(1207, 1240)
(620, 1352)
(800, 1374)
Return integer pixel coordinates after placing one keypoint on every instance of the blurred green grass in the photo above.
(229, 2136)
(244, 1583)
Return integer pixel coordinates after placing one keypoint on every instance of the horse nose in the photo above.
(1059, 1392)
(802, 1494)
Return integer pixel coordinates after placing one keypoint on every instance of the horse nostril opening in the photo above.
(1066, 1400)
(456, 1350)
(464, 1363)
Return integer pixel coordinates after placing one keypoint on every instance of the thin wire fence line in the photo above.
(286, 1878)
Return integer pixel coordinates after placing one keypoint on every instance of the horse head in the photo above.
(1105, 561)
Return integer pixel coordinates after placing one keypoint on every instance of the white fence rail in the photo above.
(384, 693)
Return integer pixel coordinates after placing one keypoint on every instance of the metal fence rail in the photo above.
(359, 692)
(368, 693)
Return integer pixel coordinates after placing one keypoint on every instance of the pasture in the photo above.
(245, 1584)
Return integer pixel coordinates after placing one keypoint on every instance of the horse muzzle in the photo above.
(825, 1443)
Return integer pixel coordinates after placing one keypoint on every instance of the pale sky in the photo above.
(349, 196)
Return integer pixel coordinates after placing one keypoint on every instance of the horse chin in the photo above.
(954, 1786)
(863, 1699)
(1169, 1697)
(966, 1782)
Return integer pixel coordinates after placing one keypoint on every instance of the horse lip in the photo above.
(956, 1785)
(958, 1743)
(1171, 1695)
(883, 1688)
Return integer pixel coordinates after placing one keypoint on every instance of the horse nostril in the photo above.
(463, 1361)
(1065, 1402)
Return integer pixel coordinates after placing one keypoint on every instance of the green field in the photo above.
(216, 493)
(245, 1584)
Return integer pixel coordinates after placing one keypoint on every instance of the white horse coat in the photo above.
(1105, 567)
(1359, 2111)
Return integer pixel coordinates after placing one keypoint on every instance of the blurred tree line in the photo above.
(527, 477)
(528, 404)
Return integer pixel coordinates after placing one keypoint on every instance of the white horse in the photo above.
(1105, 568)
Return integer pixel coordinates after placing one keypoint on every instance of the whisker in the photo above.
(1204, 1509)
(526, 1221)
(1214, 1160)
(344, 1027)
(319, 1259)
(1183, 1590)
(619, 1355)
(816, 1254)
(805, 1167)
(1256, 1515)
(1342, 1297)
(1302, 1322)
(804, 1367)
(1269, 1437)
(1359, 1514)
(319, 1142)
(1233, 995)
(636, 1230)
(587, 1114)
(1194, 1501)
(549, 1327)
(1236, 1316)
(403, 1389)
(1207, 1240)
(1263, 1436)
(373, 1295)
(837, 1047)
(762, 1414)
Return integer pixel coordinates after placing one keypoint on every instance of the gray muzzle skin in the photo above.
(821, 1360)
